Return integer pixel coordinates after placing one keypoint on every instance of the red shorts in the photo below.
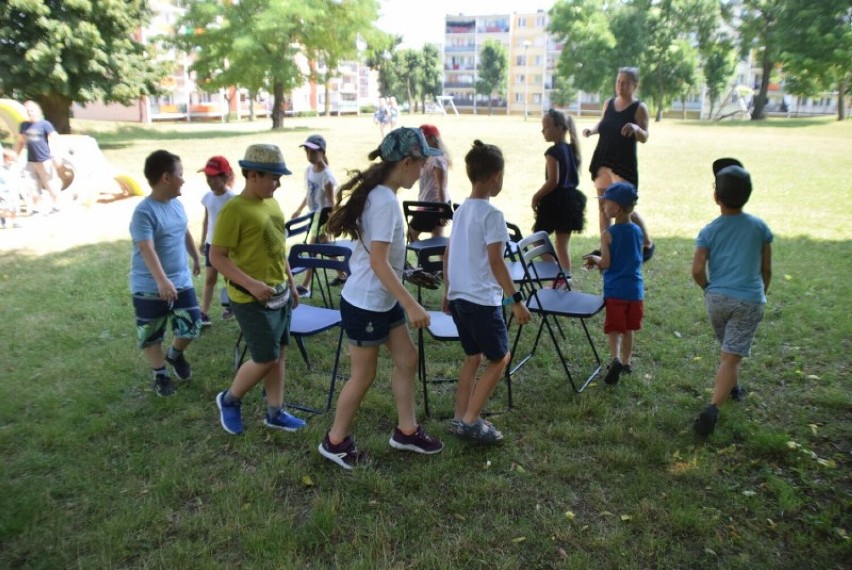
(623, 316)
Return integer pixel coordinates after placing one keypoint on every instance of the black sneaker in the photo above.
(419, 442)
(163, 385)
(595, 252)
(205, 320)
(303, 291)
(181, 367)
(627, 369)
(613, 372)
(481, 431)
(648, 252)
(344, 453)
(338, 281)
(738, 393)
(706, 421)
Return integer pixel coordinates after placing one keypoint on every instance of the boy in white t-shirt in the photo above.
(477, 284)
(220, 178)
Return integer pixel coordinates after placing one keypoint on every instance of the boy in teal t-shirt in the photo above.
(733, 264)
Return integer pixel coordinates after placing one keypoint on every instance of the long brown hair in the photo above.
(565, 122)
(344, 218)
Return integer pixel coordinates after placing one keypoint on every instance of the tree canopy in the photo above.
(56, 52)
(492, 70)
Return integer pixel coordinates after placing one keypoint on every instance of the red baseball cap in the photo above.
(216, 166)
(430, 131)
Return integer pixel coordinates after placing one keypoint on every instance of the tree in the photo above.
(589, 54)
(255, 43)
(379, 55)
(760, 33)
(492, 70)
(56, 52)
(332, 34)
(719, 65)
(817, 54)
(432, 74)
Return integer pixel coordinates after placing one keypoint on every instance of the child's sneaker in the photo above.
(706, 421)
(456, 427)
(626, 369)
(163, 385)
(205, 320)
(344, 453)
(481, 431)
(419, 442)
(230, 416)
(227, 314)
(285, 421)
(181, 367)
(613, 372)
(303, 291)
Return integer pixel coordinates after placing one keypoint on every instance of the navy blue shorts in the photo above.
(369, 328)
(482, 329)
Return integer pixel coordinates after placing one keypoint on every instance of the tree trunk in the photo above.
(760, 101)
(57, 110)
(277, 104)
(841, 96)
(328, 99)
(252, 113)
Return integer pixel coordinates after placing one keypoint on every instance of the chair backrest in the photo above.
(431, 259)
(320, 256)
(323, 215)
(299, 225)
(532, 248)
(439, 211)
(515, 236)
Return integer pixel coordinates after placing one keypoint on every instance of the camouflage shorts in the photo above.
(152, 314)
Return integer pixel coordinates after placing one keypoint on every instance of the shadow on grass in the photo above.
(125, 135)
(771, 123)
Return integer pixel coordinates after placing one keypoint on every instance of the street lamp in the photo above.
(526, 45)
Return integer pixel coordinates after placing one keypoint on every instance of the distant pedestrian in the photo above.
(38, 135)
(220, 180)
(434, 182)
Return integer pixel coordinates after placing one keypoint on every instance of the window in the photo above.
(522, 22)
(536, 98)
(521, 60)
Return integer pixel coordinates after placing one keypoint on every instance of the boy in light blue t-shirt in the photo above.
(733, 264)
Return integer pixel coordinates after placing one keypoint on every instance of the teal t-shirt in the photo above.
(734, 255)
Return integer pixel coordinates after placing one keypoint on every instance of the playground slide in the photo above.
(12, 114)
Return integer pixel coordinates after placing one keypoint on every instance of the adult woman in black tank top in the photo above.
(623, 122)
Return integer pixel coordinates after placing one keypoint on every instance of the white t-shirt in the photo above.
(381, 221)
(214, 204)
(429, 184)
(476, 224)
(315, 183)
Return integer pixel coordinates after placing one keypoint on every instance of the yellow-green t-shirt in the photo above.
(253, 231)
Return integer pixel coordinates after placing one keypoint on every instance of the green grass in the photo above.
(97, 472)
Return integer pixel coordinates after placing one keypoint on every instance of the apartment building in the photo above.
(533, 56)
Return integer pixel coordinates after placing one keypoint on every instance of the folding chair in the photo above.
(309, 320)
(551, 304)
(299, 226)
(441, 327)
(544, 269)
(438, 210)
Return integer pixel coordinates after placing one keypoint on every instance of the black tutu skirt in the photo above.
(563, 210)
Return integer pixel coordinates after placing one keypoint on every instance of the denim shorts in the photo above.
(369, 328)
(152, 314)
(264, 330)
(734, 322)
(482, 329)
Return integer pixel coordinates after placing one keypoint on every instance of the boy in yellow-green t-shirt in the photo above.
(249, 249)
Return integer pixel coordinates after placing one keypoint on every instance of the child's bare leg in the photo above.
(484, 388)
(404, 356)
(563, 250)
(154, 354)
(627, 347)
(637, 219)
(467, 381)
(602, 217)
(726, 377)
(249, 374)
(210, 278)
(274, 381)
(364, 361)
(614, 339)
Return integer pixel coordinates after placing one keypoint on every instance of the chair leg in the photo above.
(334, 371)
(421, 369)
(300, 342)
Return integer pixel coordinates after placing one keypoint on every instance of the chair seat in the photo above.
(439, 241)
(442, 326)
(310, 320)
(565, 303)
(545, 270)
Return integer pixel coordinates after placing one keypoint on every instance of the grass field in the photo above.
(97, 472)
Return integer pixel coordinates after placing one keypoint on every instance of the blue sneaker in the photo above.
(230, 417)
(285, 421)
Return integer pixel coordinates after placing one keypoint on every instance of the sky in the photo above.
(423, 22)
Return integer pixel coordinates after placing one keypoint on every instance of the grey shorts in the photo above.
(734, 322)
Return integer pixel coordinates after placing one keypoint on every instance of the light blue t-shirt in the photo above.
(165, 223)
(734, 255)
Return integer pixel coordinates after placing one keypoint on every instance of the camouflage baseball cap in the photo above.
(405, 142)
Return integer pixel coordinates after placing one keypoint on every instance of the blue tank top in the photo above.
(623, 278)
